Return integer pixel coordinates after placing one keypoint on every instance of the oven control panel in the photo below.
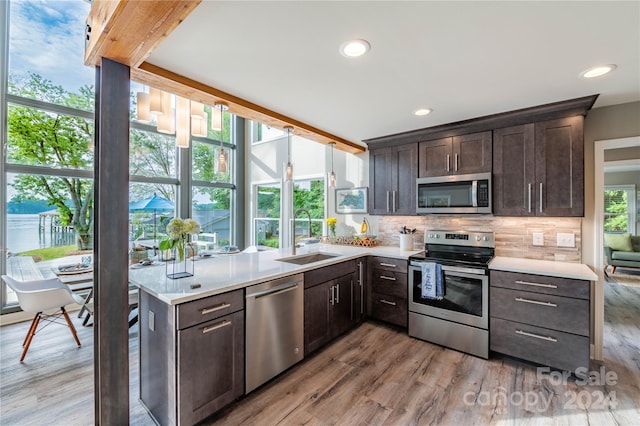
(460, 238)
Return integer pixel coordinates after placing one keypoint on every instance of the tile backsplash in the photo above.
(513, 235)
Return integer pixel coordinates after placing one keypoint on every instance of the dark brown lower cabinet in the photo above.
(329, 303)
(539, 318)
(190, 368)
(388, 290)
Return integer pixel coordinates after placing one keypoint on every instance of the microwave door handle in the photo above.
(474, 193)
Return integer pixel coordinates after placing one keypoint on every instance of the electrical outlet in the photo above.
(538, 239)
(566, 240)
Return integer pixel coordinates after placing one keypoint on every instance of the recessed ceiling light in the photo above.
(354, 48)
(422, 111)
(597, 71)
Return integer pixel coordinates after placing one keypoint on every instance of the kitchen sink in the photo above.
(303, 259)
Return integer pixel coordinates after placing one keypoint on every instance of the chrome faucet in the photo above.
(293, 229)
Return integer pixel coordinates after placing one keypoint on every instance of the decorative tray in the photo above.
(73, 269)
(364, 241)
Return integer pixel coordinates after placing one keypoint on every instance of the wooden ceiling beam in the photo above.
(161, 78)
(128, 31)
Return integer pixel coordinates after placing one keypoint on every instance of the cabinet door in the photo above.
(360, 289)
(472, 153)
(316, 316)
(404, 171)
(342, 313)
(211, 366)
(435, 158)
(379, 181)
(514, 171)
(559, 152)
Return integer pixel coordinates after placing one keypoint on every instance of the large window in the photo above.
(266, 219)
(308, 194)
(47, 194)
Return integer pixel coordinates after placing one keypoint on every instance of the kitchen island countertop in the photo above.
(225, 272)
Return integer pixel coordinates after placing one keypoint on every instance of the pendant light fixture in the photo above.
(143, 112)
(155, 101)
(288, 168)
(199, 125)
(183, 120)
(222, 163)
(332, 175)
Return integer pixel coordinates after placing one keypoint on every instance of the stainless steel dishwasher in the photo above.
(274, 328)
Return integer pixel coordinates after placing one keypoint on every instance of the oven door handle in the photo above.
(474, 271)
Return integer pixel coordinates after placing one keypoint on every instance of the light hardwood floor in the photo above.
(372, 375)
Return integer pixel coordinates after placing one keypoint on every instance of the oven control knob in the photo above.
(430, 235)
(437, 235)
(485, 238)
(477, 237)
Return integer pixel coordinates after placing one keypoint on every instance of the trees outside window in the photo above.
(619, 208)
(53, 139)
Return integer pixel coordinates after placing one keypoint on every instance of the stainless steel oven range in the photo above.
(449, 290)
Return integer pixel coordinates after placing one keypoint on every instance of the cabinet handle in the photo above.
(338, 294)
(332, 295)
(540, 197)
(387, 201)
(391, 265)
(206, 311)
(215, 327)
(536, 284)
(384, 277)
(455, 163)
(386, 302)
(393, 200)
(529, 198)
(536, 302)
(537, 336)
(360, 278)
(448, 159)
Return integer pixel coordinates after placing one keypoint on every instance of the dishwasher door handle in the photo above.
(273, 291)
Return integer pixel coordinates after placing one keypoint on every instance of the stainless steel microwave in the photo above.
(454, 194)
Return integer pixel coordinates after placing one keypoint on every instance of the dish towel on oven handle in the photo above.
(432, 285)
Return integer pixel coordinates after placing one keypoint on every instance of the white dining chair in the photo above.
(39, 297)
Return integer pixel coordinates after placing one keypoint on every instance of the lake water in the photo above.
(23, 234)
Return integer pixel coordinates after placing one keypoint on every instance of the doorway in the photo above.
(600, 149)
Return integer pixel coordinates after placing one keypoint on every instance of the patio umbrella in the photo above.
(154, 204)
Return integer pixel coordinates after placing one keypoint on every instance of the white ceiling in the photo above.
(463, 59)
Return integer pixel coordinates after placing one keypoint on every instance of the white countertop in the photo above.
(577, 271)
(226, 272)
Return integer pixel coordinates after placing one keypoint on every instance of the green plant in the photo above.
(178, 231)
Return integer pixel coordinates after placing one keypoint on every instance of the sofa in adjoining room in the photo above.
(621, 250)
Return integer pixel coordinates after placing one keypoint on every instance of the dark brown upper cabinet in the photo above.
(457, 155)
(538, 169)
(392, 180)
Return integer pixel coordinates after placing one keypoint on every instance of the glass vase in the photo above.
(177, 268)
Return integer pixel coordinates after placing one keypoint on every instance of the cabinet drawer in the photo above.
(389, 282)
(541, 284)
(389, 308)
(544, 310)
(388, 263)
(540, 345)
(209, 308)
